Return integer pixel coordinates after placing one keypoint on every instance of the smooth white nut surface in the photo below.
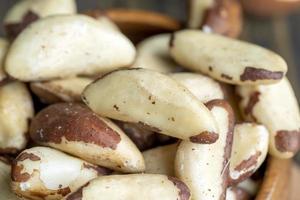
(225, 59)
(67, 45)
(154, 100)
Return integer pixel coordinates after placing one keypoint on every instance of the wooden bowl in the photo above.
(139, 24)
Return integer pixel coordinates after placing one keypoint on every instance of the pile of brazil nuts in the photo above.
(86, 115)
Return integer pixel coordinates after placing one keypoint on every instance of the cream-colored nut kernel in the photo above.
(160, 160)
(249, 150)
(276, 107)
(16, 109)
(153, 53)
(3, 51)
(5, 190)
(203, 87)
(67, 45)
(197, 10)
(133, 187)
(75, 129)
(236, 193)
(152, 99)
(205, 167)
(42, 173)
(68, 90)
(25, 12)
(225, 59)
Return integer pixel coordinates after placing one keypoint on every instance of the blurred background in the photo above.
(277, 31)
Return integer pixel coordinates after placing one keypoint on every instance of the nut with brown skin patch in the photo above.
(184, 191)
(5, 179)
(190, 164)
(35, 176)
(205, 138)
(75, 129)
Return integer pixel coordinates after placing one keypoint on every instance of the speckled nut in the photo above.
(236, 193)
(59, 47)
(203, 87)
(3, 51)
(216, 16)
(42, 173)
(249, 150)
(227, 60)
(143, 138)
(276, 107)
(25, 12)
(16, 109)
(67, 90)
(163, 104)
(160, 160)
(153, 53)
(100, 16)
(133, 187)
(5, 190)
(75, 129)
(205, 167)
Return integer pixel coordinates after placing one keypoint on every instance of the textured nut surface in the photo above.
(203, 87)
(205, 167)
(163, 104)
(5, 190)
(45, 173)
(75, 129)
(26, 11)
(67, 45)
(153, 53)
(3, 51)
(133, 187)
(249, 150)
(276, 107)
(228, 60)
(68, 90)
(160, 160)
(16, 109)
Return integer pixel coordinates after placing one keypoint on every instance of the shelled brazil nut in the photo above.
(148, 186)
(75, 129)
(227, 60)
(165, 106)
(249, 150)
(58, 47)
(153, 53)
(27, 11)
(45, 173)
(205, 167)
(217, 16)
(68, 89)
(16, 109)
(276, 107)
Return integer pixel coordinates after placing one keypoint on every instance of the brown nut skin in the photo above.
(138, 24)
(223, 17)
(75, 129)
(266, 8)
(14, 29)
